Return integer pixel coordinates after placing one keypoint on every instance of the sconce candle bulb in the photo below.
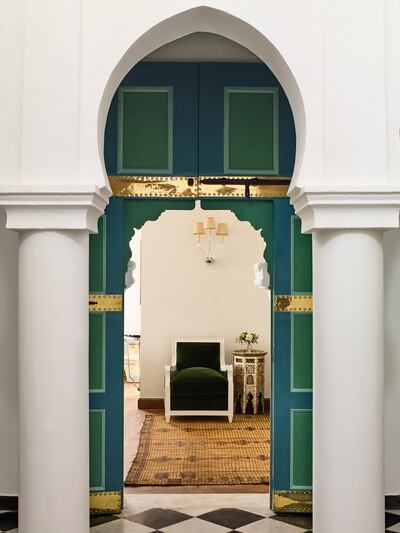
(209, 223)
(221, 230)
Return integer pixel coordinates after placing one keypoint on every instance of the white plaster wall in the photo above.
(11, 73)
(203, 47)
(132, 304)
(392, 361)
(64, 59)
(8, 360)
(182, 296)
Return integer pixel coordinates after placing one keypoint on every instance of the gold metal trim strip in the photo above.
(269, 191)
(105, 302)
(293, 303)
(238, 190)
(105, 502)
(292, 501)
(194, 187)
(154, 186)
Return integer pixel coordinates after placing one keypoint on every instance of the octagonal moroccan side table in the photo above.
(248, 379)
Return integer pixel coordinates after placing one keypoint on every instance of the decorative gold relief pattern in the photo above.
(293, 303)
(202, 186)
(105, 502)
(292, 501)
(105, 302)
(269, 191)
(242, 186)
(154, 186)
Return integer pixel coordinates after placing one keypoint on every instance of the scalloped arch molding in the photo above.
(139, 211)
(210, 20)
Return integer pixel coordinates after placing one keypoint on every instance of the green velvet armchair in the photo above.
(198, 382)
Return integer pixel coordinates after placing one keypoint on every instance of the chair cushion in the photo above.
(200, 354)
(200, 403)
(199, 381)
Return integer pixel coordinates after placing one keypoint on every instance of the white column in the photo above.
(54, 224)
(347, 225)
(348, 381)
(53, 382)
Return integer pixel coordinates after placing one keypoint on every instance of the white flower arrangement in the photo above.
(248, 338)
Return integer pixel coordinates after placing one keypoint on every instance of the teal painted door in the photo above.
(106, 361)
(109, 255)
(151, 129)
(291, 439)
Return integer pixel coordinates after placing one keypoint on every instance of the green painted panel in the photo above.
(96, 352)
(97, 253)
(251, 130)
(301, 449)
(145, 129)
(301, 258)
(96, 447)
(302, 349)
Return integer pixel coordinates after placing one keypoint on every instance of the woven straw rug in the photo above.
(202, 451)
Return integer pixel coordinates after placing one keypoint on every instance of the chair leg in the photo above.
(230, 418)
(168, 418)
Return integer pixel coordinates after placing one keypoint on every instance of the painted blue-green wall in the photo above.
(198, 113)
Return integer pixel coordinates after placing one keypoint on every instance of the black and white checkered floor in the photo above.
(202, 513)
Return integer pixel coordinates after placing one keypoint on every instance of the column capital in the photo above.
(341, 207)
(67, 207)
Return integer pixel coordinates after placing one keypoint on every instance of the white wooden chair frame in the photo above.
(172, 367)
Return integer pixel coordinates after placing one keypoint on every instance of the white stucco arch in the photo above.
(208, 19)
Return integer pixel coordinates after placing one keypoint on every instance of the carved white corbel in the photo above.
(261, 276)
(129, 279)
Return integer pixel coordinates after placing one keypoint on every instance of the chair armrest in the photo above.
(229, 371)
(168, 369)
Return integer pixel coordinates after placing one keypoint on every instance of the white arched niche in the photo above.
(210, 20)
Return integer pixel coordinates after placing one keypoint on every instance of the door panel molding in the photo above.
(140, 137)
(97, 442)
(301, 352)
(254, 134)
(301, 251)
(301, 449)
(97, 352)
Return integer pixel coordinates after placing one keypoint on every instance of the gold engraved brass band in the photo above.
(293, 303)
(194, 187)
(238, 190)
(105, 502)
(292, 501)
(105, 302)
(154, 186)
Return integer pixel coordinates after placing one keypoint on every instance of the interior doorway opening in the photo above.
(183, 296)
(133, 312)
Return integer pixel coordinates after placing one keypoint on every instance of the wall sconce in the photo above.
(213, 230)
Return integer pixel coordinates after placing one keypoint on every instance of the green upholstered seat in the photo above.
(197, 381)
(198, 384)
(197, 354)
